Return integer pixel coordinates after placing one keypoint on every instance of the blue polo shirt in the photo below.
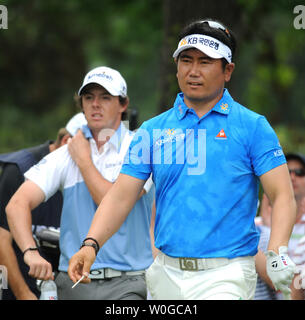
(206, 173)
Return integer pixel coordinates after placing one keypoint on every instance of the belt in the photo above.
(192, 264)
(107, 273)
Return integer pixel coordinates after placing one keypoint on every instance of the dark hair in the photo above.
(226, 36)
(296, 156)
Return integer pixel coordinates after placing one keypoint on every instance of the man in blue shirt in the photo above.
(207, 156)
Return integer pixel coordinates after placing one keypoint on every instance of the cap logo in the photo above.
(208, 45)
(108, 78)
(101, 75)
(182, 42)
(200, 40)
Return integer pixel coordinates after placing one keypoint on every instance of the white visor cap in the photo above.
(108, 78)
(210, 46)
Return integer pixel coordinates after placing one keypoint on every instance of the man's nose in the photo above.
(96, 102)
(194, 69)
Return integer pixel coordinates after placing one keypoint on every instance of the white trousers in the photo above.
(233, 281)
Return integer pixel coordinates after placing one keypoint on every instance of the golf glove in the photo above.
(280, 269)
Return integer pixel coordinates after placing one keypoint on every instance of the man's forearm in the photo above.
(20, 223)
(19, 213)
(282, 222)
(97, 185)
(278, 188)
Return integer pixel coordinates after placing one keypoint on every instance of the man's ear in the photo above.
(125, 105)
(229, 68)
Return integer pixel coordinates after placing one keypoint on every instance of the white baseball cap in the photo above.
(75, 123)
(210, 46)
(108, 78)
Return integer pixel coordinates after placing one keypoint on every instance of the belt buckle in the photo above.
(188, 264)
(97, 274)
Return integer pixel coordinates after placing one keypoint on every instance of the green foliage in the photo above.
(271, 67)
(291, 138)
(25, 129)
(50, 45)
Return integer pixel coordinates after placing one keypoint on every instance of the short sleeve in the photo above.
(48, 172)
(265, 150)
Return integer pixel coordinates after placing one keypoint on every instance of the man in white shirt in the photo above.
(85, 171)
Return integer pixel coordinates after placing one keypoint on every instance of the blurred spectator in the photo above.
(296, 166)
(21, 285)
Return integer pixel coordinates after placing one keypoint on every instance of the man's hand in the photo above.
(80, 264)
(39, 267)
(79, 148)
(280, 269)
